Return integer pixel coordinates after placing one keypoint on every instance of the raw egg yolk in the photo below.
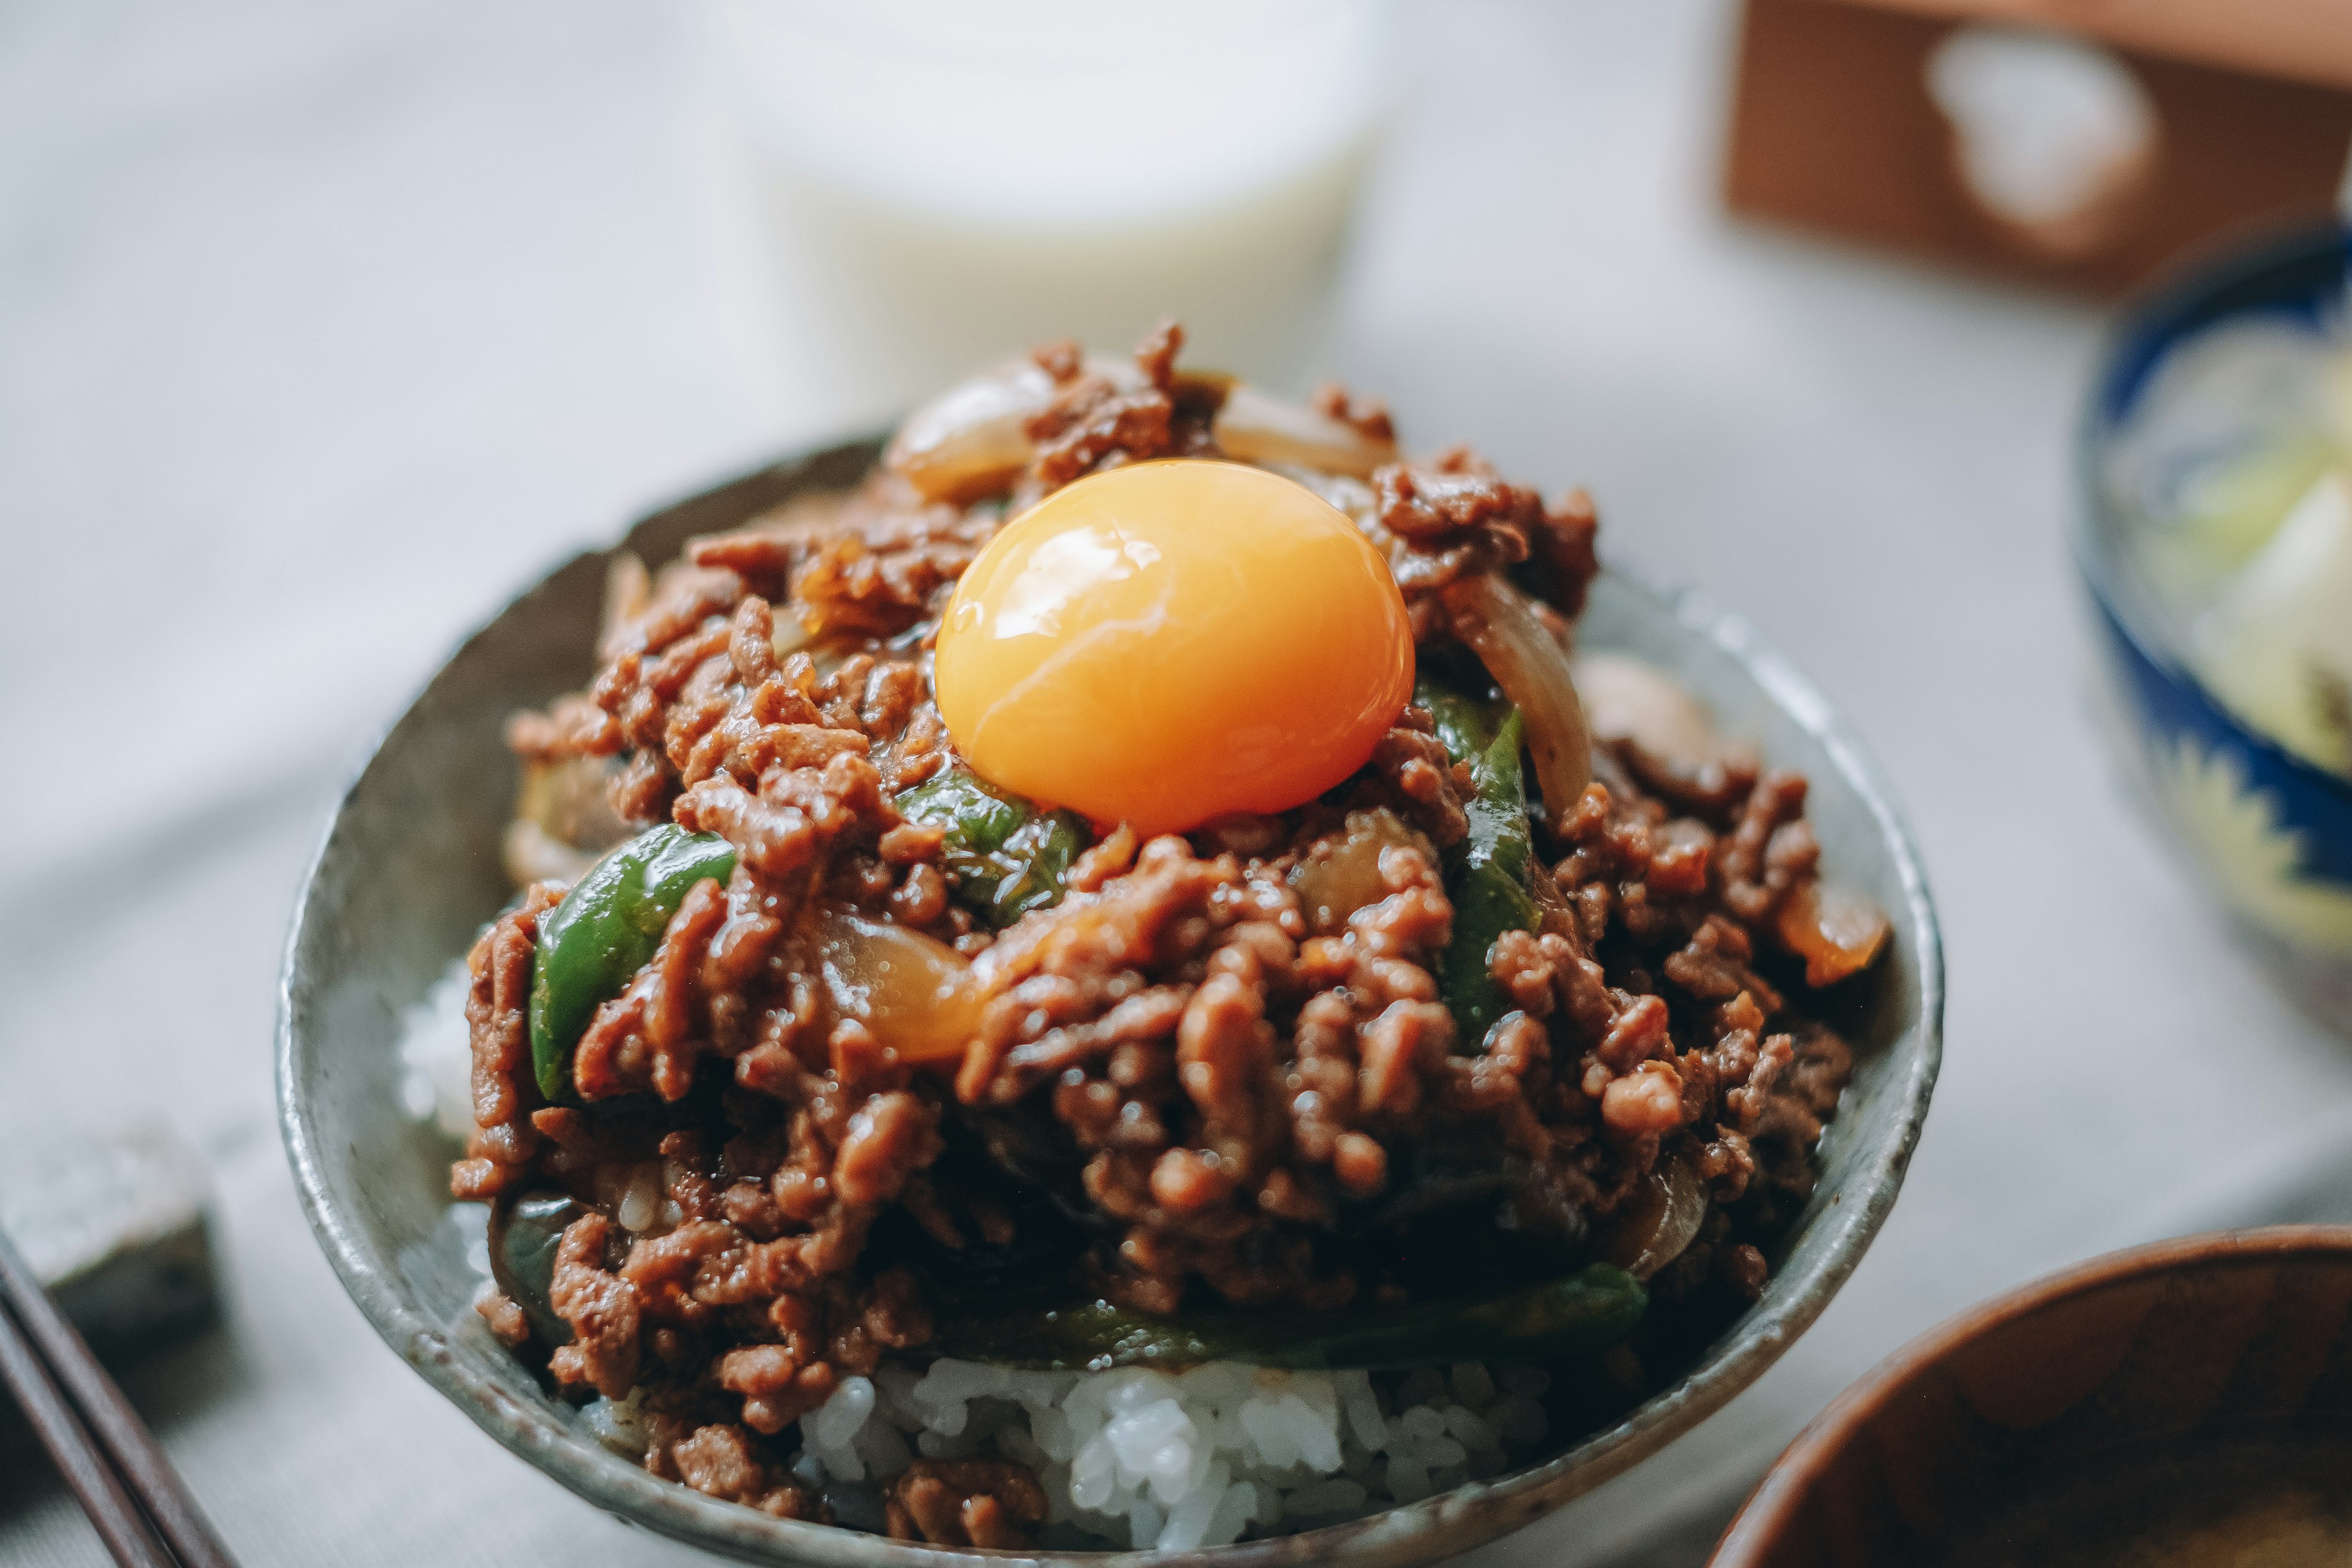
(1171, 642)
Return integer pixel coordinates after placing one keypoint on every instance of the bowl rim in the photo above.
(1772, 1507)
(1393, 1538)
(2212, 286)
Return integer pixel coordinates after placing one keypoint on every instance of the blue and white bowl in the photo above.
(2268, 833)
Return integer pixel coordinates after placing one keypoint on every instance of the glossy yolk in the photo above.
(1171, 642)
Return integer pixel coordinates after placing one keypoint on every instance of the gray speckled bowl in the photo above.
(410, 869)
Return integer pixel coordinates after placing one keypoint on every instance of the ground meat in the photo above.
(724, 1462)
(1094, 423)
(1368, 416)
(602, 1310)
(505, 1316)
(1455, 517)
(1228, 1050)
(966, 1503)
(575, 726)
(496, 1014)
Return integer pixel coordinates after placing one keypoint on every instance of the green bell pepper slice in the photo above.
(1487, 874)
(1004, 857)
(524, 1235)
(1582, 1315)
(1466, 724)
(603, 932)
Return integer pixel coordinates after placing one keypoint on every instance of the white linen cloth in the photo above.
(323, 328)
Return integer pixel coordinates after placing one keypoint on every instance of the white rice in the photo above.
(1133, 1457)
(437, 1055)
(1144, 1458)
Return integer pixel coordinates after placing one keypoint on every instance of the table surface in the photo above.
(323, 328)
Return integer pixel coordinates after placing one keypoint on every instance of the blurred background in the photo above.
(323, 329)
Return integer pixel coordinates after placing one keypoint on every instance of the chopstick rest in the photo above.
(114, 1224)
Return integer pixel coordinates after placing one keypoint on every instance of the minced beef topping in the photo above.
(1218, 1071)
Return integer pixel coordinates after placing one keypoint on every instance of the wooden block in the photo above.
(1834, 129)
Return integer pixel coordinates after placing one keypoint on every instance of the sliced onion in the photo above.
(566, 796)
(919, 995)
(789, 633)
(531, 854)
(1527, 662)
(973, 440)
(1252, 427)
(1633, 700)
(564, 821)
(1659, 1221)
(1835, 930)
(1340, 876)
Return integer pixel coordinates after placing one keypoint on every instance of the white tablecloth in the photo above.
(323, 328)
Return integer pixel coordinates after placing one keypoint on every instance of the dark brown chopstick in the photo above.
(135, 1485)
(79, 1459)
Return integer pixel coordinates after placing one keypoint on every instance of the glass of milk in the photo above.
(930, 185)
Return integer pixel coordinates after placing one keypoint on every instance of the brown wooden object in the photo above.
(1834, 129)
(2232, 1337)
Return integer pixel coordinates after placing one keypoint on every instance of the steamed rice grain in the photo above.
(1146, 1458)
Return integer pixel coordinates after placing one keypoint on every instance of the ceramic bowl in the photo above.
(409, 870)
(2268, 833)
(2241, 1335)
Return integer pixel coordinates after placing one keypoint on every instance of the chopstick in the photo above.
(120, 1523)
(107, 1455)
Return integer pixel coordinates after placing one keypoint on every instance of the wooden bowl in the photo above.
(2243, 1334)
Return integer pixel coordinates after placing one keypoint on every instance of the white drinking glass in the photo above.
(935, 184)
